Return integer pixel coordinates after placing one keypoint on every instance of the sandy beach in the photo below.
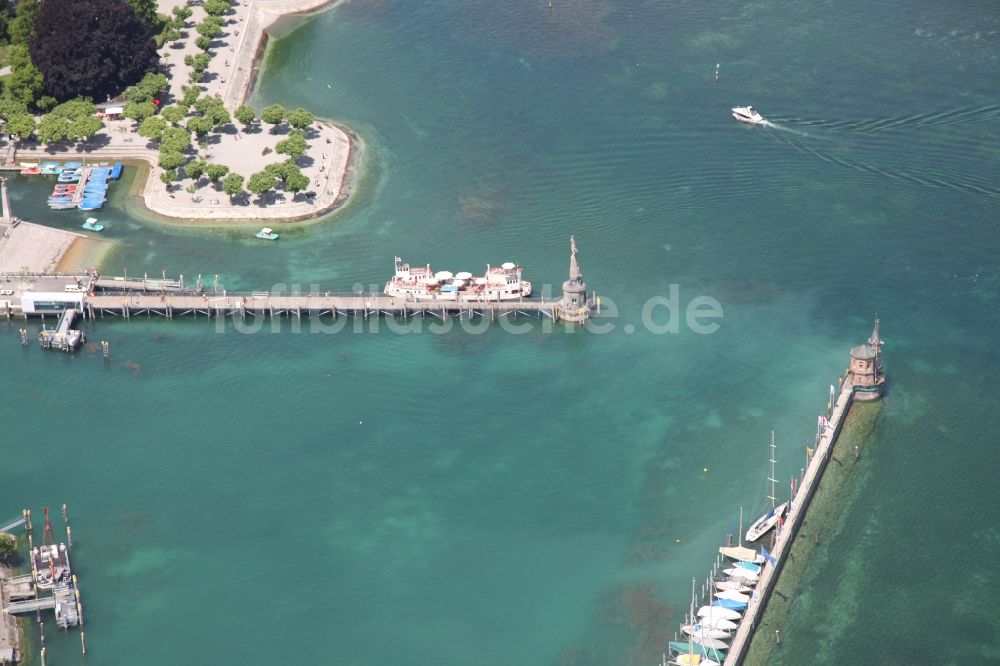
(83, 253)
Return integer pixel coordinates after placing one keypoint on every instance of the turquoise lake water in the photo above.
(546, 497)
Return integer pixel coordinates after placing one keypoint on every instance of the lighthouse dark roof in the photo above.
(863, 353)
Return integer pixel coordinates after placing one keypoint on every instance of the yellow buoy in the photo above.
(705, 470)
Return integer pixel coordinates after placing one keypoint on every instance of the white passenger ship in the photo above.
(500, 283)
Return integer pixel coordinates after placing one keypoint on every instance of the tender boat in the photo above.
(93, 225)
(499, 283)
(31, 171)
(747, 114)
(267, 234)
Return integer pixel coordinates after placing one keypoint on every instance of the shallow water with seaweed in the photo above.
(546, 497)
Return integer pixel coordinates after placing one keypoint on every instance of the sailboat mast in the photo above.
(771, 478)
(741, 526)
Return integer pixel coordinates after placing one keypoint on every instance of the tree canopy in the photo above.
(233, 184)
(273, 114)
(300, 118)
(261, 182)
(8, 546)
(246, 115)
(145, 10)
(95, 49)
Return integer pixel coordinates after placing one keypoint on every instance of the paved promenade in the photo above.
(328, 163)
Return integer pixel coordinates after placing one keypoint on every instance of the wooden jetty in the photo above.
(863, 380)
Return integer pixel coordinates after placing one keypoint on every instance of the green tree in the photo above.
(52, 129)
(10, 107)
(152, 128)
(261, 182)
(195, 169)
(199, 62)
(151, 85)
(203, 43)
(181, 14)
(46, 103)
(214, 109)
(273, 115)
(189, 95)
(84, 128)
(300, 119)
(209, 28)
(215, 7)
(200, 125)
(22, 26)
(139, 111)
(246, 115)
(176, 139)
(171, 35)
(171, 160)
(22, 125)
(216, 171)
(145, 10)
(233, 184)
(173, 114)
(168, 177)
(8, 546)
(25, 83)
(293, 146)
(296, 182)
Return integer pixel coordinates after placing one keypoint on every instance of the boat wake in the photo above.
(937, 118)
(782, 128)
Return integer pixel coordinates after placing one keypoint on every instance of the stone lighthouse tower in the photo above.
(574, 305)
(866, 368)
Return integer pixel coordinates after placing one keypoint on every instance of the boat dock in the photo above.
(64, 337)
(51, 585)
(863, 380)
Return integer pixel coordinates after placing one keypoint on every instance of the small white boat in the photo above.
(747, 114)
(267, 234)
(92, 224)
(719, 623)
(742, 574)
(770, 518)
(734, 585)
(733, 595)
(704, 631)
(714, 643)
(710, 613)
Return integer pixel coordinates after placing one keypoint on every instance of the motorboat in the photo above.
(747, 114)
(731, 604)
(267, 234)
(92, 224)
(720, 623)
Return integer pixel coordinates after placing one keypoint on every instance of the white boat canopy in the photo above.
(508, 266)
(444, 275)
(464, 275)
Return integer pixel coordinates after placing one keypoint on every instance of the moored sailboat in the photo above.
(763, 524)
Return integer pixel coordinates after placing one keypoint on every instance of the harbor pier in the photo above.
(863, 380)
(91, 296)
